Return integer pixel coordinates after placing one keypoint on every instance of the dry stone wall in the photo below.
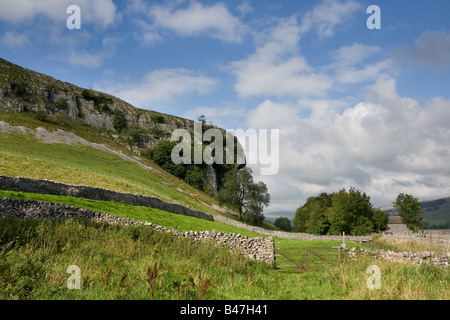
(93, 193)
(436, 258)
(255, 248)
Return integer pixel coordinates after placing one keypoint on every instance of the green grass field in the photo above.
(138, 263)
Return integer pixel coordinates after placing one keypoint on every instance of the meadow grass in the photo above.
(401, 244)
(135, 262)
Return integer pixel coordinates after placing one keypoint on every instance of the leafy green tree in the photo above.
(410, 210)
(119, 121)
(283, 223)
(311, 216)
(380, 220)
(347, 208)
(301, 218)
(194, 176)
(161, 154)
(241, 192)
(362, 226)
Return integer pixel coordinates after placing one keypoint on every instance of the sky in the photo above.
(354, 106)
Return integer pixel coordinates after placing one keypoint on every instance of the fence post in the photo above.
(343, 239)
(271, 248)
(306, 260)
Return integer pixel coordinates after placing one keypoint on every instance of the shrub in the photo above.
(41, 115)
(158, 118)
(119, 121)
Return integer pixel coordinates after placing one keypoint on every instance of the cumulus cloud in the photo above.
(276, 68)
(384, 145)
(431, 50)
(161, 86)
(197, 19)
(351, 67)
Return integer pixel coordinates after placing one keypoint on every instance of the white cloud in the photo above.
(77, 57)
(162, 86)
(244, 8)
(276, 68)
(382, 146)
(350, 64)
(271, 115)
(197, 20)
(354, 54)
(326, 16)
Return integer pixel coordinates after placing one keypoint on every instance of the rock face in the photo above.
(22, 90)
(255, 248)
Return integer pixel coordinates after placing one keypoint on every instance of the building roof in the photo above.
(395, 220)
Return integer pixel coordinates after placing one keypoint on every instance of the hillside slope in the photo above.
(55, 130)
(94, 116)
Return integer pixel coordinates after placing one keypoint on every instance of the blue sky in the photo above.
(355, 107)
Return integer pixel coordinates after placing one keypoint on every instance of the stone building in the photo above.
(396, 225)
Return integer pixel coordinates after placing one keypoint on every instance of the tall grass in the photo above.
(138, 263)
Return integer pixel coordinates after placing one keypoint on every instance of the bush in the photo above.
(158, 118)
(119, 121)
(41, 116)
(194, 176)
(20, 89)
(61, 104)
(283, 223)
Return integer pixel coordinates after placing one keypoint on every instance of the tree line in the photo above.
(351, 211)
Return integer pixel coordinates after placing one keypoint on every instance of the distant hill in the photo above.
(435, 212)
(270, 217)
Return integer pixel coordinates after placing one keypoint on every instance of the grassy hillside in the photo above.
(437, 212)
(25, 156)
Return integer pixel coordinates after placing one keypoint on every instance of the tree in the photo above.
(410, 210)
(283, 223)
(311, 217)
(380, 220)
(241, 192)
(347, 208)
(161, 154)
(301, 218)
